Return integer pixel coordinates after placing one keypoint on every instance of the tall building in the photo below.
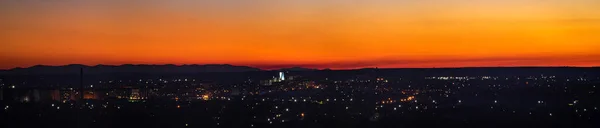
(281, 76)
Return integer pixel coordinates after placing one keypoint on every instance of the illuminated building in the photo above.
(90, 95)
(135, 94)
(281, 76)
(266, 82)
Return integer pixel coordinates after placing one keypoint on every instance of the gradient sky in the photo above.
(268, 34)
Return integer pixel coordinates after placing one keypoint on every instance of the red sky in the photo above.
(313, 33)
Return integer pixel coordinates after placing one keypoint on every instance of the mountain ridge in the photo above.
(128, 68)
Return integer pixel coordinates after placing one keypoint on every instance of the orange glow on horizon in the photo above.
(312, 33)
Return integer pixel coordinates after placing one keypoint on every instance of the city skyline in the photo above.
(310, 34)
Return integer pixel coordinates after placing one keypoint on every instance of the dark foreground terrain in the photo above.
(510, 97)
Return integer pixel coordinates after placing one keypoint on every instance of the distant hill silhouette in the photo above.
(127, 68)
(297, 69)
(215, 68)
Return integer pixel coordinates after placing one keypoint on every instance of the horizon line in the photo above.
(359, 68)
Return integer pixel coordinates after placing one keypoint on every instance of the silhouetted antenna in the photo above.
(81, 83)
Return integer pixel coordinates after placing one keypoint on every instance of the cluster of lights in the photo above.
(388, 101)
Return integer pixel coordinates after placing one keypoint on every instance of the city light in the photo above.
(205, 97)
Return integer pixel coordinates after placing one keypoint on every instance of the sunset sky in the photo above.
(269, 34)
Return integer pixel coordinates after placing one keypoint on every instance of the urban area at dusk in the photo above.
(299, 64)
